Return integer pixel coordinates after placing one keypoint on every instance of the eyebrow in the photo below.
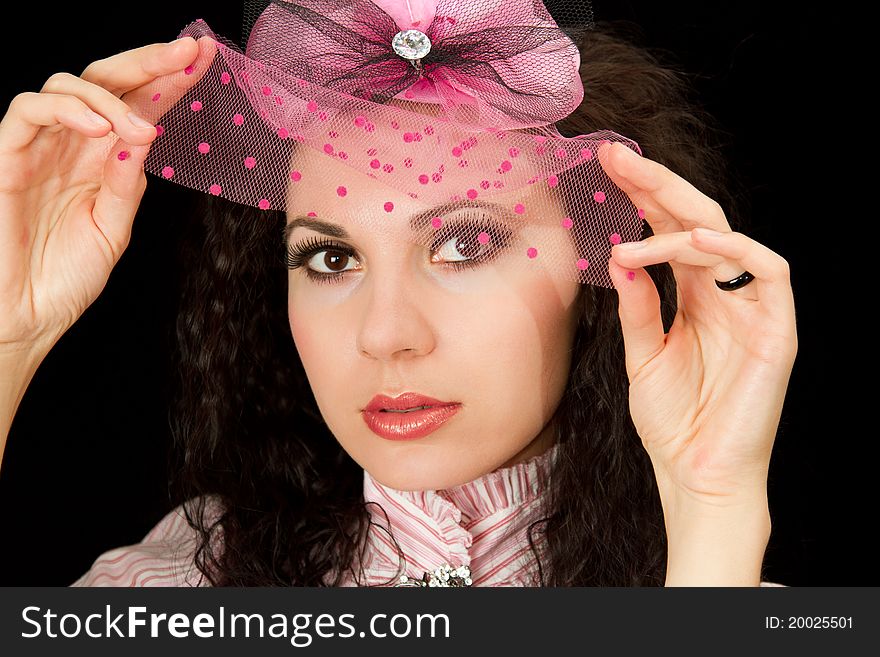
(415, 223)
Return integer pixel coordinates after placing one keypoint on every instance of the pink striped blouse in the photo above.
(482, 524)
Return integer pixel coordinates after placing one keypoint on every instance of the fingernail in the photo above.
(138, 121)
(628, 246)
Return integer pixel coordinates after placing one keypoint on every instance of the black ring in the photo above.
(736, 283)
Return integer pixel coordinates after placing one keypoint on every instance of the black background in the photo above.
(84, 469)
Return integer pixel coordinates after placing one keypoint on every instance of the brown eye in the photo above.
(335, 261)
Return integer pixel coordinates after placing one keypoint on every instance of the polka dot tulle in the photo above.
(253, 128)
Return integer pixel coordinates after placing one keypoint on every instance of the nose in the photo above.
(395, 322)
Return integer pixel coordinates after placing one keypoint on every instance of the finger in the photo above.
(30, 111)
(638, 307)
(127, 124)
(772, 272)
(674, 248)
(663, 194)
(153, 99)
(134, 68)
(119, 197)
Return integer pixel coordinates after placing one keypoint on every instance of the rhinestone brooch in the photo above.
(445, 575)
(412, 45)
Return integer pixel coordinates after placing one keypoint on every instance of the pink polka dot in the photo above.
(323, 116)
(328, 148)
(167, 172)
(408, 94)
(215, 189)
(532, 252)
(408, 137)
(561, 154)
(295, 176)
(456, 151)
(204, 147)
(238, 119)
(389, 206)
(359, 121)
(283, 133)
(519, 208)
(614, 238)
(196, 105)
(312, 214)
(539, 139)
(267, 91)
(506, 165)
(279, 100)
(462, 163)
(641, 213)
(122, 155)
(483, 237)
(567, 222)
(599, 197)
(395, 125)
(586, 154)
(343, 155)
(513, 152)
(472, 194)
(423, 179)
(159, 130)
(631, 275)
(250, 162)
(436, 222)
(264, 204)
(436, 177)
(375, 164)
(408, 162)
(582, 264)
(387, 168)
(485, 184)
(552, 181)
(188, 70)
(312, 106)
(156, 97)
(429, 130)
(341, 191)
(225, 78)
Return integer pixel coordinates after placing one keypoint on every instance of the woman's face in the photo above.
(495, 338)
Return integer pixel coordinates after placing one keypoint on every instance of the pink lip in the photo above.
(403, 402)
(408, 426)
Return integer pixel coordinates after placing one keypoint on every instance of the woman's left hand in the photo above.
(705, 398)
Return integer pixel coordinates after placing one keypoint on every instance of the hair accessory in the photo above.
(736, 283)
(431, 122)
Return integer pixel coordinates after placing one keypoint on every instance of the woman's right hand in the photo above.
(67, 199)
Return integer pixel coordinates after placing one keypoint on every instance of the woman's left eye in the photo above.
(468, 247)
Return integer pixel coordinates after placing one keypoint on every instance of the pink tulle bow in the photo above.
(506, 63)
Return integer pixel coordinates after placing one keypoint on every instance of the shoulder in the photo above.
(164, 557)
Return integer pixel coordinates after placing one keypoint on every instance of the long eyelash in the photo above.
(299, 255)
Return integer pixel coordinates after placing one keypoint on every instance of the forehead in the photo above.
(358, 188)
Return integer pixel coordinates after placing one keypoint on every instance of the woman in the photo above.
(640, 460)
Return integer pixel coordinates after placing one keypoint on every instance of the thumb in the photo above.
(117, 201)
(638, 305)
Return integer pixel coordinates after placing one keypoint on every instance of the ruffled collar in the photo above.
(480, 523)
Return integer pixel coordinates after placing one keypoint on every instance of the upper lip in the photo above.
(403, 402)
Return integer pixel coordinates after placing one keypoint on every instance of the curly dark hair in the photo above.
(250, 443)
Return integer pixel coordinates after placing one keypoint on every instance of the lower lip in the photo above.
(408, 426)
